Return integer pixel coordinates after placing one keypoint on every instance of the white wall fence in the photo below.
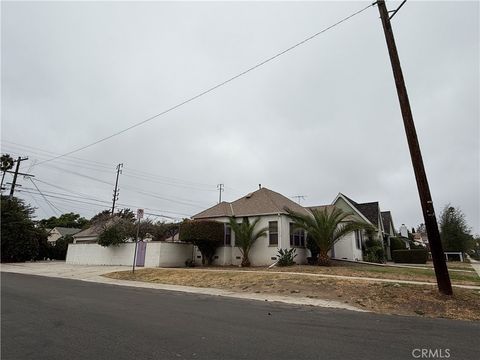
(158, 253)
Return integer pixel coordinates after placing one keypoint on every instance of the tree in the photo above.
(115, 233)
(162, 231)
(421, 228)
(246, 236)
(454, 231)
(147, 227)
(59, 250)
(207, 235)
(6, 163)
(326, 227)
(20, 239)
(102, 216)
(68, 220)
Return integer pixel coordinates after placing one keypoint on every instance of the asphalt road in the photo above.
(50, 318)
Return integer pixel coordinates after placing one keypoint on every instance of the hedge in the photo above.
(416, 256)
(397, 244)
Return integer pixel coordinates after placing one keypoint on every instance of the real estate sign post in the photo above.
(139, 217)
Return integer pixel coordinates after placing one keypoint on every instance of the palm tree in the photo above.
(325, 227)
(245, 236)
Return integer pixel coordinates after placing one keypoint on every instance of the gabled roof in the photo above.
(96, 228)
(387, 220)
(329, 208)
(261, 202)
(370, 210)
(66, 231)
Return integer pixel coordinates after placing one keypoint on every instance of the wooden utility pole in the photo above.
(438, 256)
(116, 191)
(15, 174)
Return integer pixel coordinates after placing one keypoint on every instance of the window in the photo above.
(273, 232)
(297, 236)
(358, 238)
(228, 235)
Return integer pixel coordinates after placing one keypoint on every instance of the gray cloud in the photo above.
(321, 119)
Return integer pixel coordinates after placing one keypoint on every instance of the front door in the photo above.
(141, 250)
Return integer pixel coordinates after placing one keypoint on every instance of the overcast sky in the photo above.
(321, 119)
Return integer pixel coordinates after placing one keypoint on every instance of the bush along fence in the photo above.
(416, 256)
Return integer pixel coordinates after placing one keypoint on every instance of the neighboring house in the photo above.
(91, 234)
(388, 232)
(57, 232)
(350, 246)
(269, 206)
(421, 238)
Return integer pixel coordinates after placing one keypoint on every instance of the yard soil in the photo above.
(386, 298)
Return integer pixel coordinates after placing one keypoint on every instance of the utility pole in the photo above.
(220, 188)
(15, 174)
(116, 191)
(438, 256)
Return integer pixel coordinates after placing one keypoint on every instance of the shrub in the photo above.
(416, 256)
(286, 256)
(374, 251)
(207, 235)
(397, 244)
(116, 233)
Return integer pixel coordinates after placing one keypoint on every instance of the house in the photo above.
(388, 232)
(350, 246)
(58, 232)
(269, 206)
(89, 235)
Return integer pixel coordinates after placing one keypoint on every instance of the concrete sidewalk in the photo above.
(59, 269)
(475, 264)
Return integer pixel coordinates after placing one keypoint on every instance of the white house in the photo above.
(269, 206)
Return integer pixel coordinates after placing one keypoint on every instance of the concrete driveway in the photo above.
(60, 269)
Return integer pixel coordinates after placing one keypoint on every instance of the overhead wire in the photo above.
(53, 207)
(205, 92)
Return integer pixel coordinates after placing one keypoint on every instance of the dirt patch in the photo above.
(388, 298)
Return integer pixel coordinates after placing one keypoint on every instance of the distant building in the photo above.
(58, 232)
(403, 231)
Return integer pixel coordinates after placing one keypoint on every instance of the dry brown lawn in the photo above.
(466, 277)
(388, 298)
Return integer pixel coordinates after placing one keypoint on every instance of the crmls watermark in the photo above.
(431, 353)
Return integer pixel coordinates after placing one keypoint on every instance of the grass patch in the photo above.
(389, 298)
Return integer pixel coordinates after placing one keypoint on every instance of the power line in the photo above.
(205, 92)
(53, 207)
(121, 204)
(106, 168)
